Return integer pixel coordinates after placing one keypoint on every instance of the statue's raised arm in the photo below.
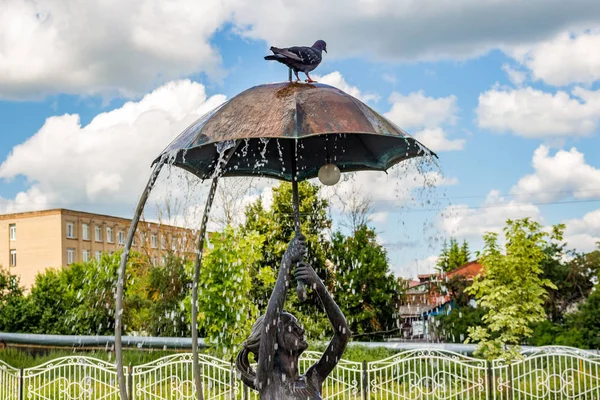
(341, 333)
(277, 339)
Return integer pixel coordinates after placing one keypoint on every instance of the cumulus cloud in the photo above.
(563, 59)
(584, 234)
(336, 79)
(387, 191)
(564, 175)
(437, 141)
(428, 114)
(534, 113)
(108, 160)
(412, 30)
(413, 268)
(515, 76)
(472, 222)
(99, 47)
(419, 111)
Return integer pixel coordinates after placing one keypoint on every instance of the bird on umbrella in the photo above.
(300, 58)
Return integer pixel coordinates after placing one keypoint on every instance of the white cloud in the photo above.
(419, 111)
(515, 76)
(436, 140)
(336, 79)
(583, 234)
(463, 221)
(415, 267)
(107, 161)
(533, 113)
(390, 190)
(99, 47)
(428, 114)
(411, 30)
(564, 175)
(564, 59)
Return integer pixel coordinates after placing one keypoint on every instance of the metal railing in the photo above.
(544, 373)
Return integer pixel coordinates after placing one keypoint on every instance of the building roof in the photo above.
(469, 270)
(52, 211)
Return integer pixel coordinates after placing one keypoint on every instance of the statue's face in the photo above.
(292, 336)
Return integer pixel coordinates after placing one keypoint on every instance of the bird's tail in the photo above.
(274, 57)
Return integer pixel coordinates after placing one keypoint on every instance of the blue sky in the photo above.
(89, 97)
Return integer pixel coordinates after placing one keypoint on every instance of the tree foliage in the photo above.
(453, 256)
(511, 290)
(226, 311)
(365, 288)
(276, 226)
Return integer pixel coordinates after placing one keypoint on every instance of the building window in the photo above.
(121, 236)
(98, 255)
(109, 235)
(70, 230)
(98, 232)
(154, 261)
(85, 231)
(70, 256)
(163, 242)
(153, 241)
(13, 258)
(13, 231)
(134, 241)
(85, 255)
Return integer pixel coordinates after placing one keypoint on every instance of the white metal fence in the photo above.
(545, 373)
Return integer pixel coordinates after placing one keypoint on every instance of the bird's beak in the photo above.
(325, 50)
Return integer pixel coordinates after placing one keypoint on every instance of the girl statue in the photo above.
(277, 339)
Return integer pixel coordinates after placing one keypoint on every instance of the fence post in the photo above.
(365, 380)
(510, 381)
(232, 380)
(21, 383)
(490, 380)
(130, 381)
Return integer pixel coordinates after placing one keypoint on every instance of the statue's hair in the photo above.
(252, 345)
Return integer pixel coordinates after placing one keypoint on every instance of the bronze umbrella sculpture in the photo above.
(286, 131)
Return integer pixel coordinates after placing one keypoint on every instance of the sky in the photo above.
(506, 92)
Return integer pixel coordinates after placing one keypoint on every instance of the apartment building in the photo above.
(31, 242)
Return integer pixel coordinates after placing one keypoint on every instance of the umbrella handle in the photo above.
(301, 291)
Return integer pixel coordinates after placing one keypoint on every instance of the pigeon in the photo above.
(300, 58)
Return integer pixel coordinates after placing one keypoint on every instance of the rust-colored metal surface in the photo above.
(327, 122)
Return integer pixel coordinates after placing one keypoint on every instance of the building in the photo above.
(428, 297)
(34, 241)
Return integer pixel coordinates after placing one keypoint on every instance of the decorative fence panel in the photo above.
(172, 378)
(550, 373)
(427, 374)
(9, 382)
(71, 378)
(553, 373)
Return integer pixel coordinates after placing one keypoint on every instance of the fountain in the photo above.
(291, 132)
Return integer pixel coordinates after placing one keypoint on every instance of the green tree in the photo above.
(276, 226)
(226, 312)
(12, 303)
(511, 289)
(168, 286)
(572, 279)
(583, 327)
(453, 256)
(365, 288)
(454, 326)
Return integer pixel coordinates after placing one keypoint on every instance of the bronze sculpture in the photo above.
(278, 339)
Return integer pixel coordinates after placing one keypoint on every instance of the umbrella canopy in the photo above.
(330, 125)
